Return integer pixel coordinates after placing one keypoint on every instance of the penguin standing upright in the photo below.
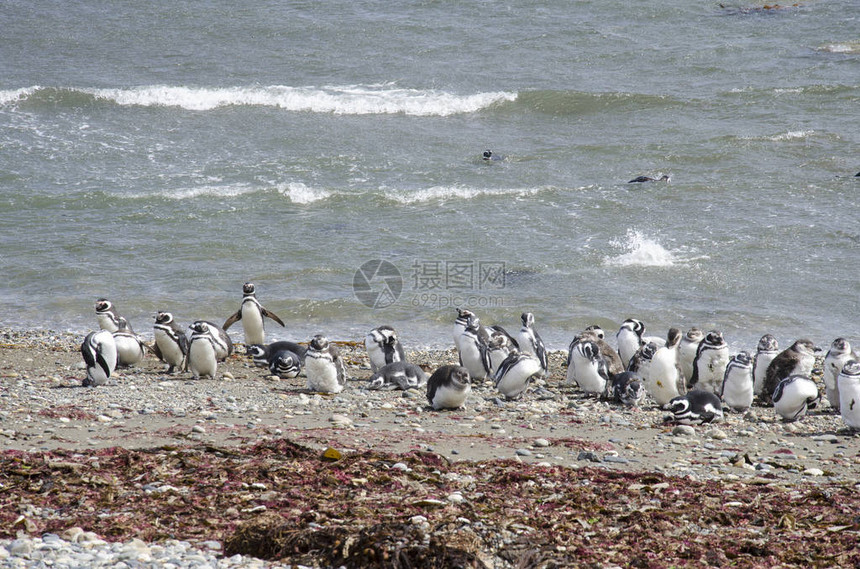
(324, 367)
(838, 355)
(737, 389)
(171, 343)
(687, 350)
(108, 316)
(590, 370)
(130, 349)
(530, 342)
(383, 347)
(251, 313)
(709, 367)
(665, 381)
(204, 349)
(849, 394)
(473, 346)
(99, 352)
(629, 339)
(766, 351)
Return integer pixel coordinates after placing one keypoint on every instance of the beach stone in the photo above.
(615, 459)
(813, 472)
(588, 455)
(339, 420)
(684, 431)
(198, 429)
(717, 434)
(541, 443)
(523, 452)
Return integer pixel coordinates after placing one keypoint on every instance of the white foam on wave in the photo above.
(783, 136)
(301, 194)
(640, 251)
(347, 100)
(446, 193)
(841, 47)
(197, 191)
(13, 95)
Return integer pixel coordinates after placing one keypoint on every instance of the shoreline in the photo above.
(553, 436)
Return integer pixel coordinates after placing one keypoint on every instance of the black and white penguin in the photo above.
(460, 324)
(499, 347)
(849, 394)
(590, 370)
(448, 387)
(516, 372)
(205, 349)
(130, 349)
(251, 313)
(709, 367)
(687, 350)
(286, 364)
(798, 359)
(324, 367)
(627, 389)
(107, 316)
(737, 389)
(222, 342)
(474, 349)
(262, 355)
(695, 408)
(398, 375)
(171, 343)
(766, 351)
(530, 342)
(665, 380)
(837, 356)
(642, 179)
(383, 347)
(641, 361)
(595, 334)
(489, 156)
(629, 339)
(99, 352)
(794, 395)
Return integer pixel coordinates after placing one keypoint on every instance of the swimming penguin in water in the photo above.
(490, 157)
(448, 387)
(642, 179)
(251, 313)
(99, 352)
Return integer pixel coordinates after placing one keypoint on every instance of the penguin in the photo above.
(642, 179)
(130, 349)
(767, 349)
(737, 388)
(204, 348)
(695, 408)
(251, 313)
(665, 380)
(107, 316)
(460, 325)
(221, 342)
(499, 347)
(398, 375)
(515, 373)
(383, 347)
(641, 360)
(286, 364)
(627, 389)
(837, 356)
(793, 396)
(798, 359)
(324, 367)
(595, 334)
(687, 350)
(590, 370)
(171, 343)
(709, 367)
(448, 387)
(629, 339)
(530, 341)
(99, 352)
(488, 156)
(474, 349)
(262, 355)
(848, 384)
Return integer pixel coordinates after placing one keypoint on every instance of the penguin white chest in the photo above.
(322, 375)
(252, 323)
(201, 358)
(170, 350)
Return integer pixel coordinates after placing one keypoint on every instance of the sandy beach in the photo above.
(552, 433)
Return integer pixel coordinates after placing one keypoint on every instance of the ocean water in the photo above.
(330, 152)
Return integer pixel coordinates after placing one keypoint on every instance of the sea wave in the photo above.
(783, 136)
(641, 251)
(299, 193)
(841, 47)
(345, 100)
(555, 102)
(447, 193)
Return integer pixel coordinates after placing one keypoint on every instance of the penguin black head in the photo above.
(597, 331)
(673, 337)
(464, 313)
(460, 376)
(528, 319)
(199, 327)
(805, 346)
(743, 358)
(488, 155)
(103, 305)
(768, 343)
(256, 351)
(163, 317)
(319, 343)
(715, 338)
(248, 288)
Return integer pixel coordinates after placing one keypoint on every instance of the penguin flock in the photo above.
(691, 375)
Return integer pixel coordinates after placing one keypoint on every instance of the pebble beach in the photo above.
(43, 410)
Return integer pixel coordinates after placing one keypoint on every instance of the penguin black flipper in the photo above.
(157, 351)
(267, 314)
(233, 319)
